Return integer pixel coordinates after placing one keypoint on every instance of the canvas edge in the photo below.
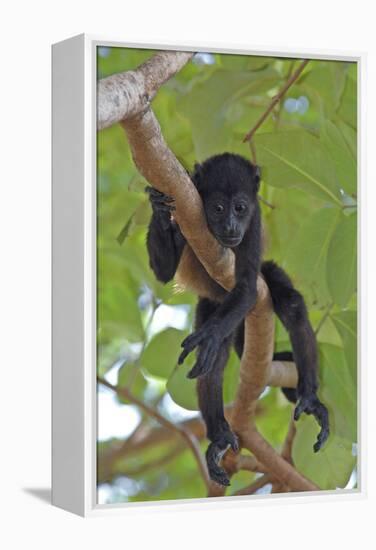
(90, 506)
(68, 379)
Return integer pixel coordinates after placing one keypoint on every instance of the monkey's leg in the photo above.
(165, 242)
(209, 389)
(289, 305)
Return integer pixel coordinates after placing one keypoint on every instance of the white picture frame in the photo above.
(74, 412)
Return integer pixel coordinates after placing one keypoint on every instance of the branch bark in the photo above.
(126, 94)
(161, 169)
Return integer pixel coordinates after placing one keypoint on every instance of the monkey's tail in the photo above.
(289, 306)
(290, 393)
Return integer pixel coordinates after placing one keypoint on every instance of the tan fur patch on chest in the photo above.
(191, 275)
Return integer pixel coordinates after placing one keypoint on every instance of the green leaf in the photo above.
(337, 147)
(125, 230)
(161, 354)
(325, 84)
(332, 466)
(207, 104)
(283, 222)
(244, 62)
(130, 377)
(342, 260)
(346, 324)
(338, 391)
(182, 389)
(348, 109)
(275, 416)
(298, 159)
(349, 135)
(306, 259)
(231, 378)
(118, 314)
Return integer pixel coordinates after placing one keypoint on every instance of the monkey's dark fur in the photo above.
(228, 185)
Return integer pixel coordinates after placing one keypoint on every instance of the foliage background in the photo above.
(307, 152)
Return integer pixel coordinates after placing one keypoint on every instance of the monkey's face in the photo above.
(228, 185)
(228, 217)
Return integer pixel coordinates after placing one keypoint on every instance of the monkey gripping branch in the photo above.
(126, 98)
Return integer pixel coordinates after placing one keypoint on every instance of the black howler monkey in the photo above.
(228, 186)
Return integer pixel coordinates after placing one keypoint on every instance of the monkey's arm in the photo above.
(165, 241)
(232, 310)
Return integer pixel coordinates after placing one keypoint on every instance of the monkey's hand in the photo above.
(162, 205)
(214, 455)
(209, 341)
(310, 404)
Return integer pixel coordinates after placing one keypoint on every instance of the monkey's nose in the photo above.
(230, 231)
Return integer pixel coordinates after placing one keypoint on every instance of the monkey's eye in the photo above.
(218, 208)
(240, 208)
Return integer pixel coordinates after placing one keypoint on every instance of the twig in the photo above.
(266, 202)
(188, 437)
(324, 318)
(252, 146)
(137, 363)
(276, 99)
(286, 453)
(154, 464)
(249, 463)
(278, 114)
(254, 486)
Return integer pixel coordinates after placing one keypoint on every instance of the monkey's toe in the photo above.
(216, 473)
(214, 455)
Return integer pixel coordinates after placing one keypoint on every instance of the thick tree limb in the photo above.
(283, 374)
(126, 94)
(162, 170)
(159, 166)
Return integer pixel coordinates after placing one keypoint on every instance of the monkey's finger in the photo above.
(322, 417)
(299, 409)
(158, 196)
(202, 366)
(161, 199)
(183, 355)
(235, 444)
(192, 341)
(195, 371)
(164, 207)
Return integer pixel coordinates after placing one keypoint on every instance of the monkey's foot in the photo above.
(310, 404)
(214, 455)
(160, 201)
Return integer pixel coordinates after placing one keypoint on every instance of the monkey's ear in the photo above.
(257, 176)
(196, 175)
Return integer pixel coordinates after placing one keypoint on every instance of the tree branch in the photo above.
(126, 94)
(254, 486)
(283, 374)
(276, 99)
(186, 435)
